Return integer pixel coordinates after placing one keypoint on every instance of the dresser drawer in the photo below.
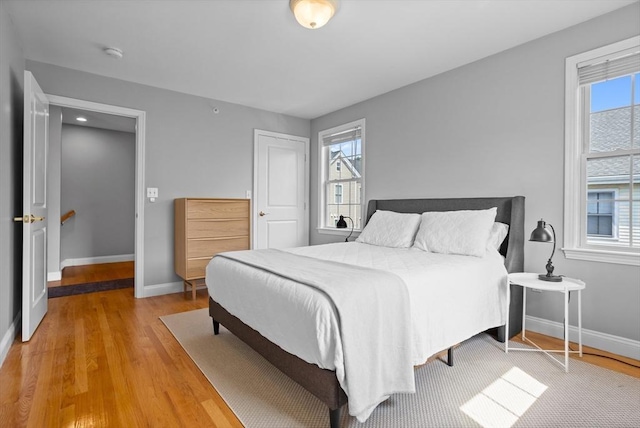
(196, 268)
(211, 247)
(197, 209)
(217, 228)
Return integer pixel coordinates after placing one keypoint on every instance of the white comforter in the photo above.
(377, 364)
(451, 299)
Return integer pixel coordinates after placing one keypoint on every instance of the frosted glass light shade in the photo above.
(313, 14)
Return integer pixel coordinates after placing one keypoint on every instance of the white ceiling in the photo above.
(253, 52)
(98, 120)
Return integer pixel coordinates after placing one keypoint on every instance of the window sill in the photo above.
(339, 232)
(617, 257)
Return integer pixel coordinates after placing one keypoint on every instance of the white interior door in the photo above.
(34, 207)
(281, 183)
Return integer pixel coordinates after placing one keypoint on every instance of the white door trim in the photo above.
(254, 215)
(140, 117)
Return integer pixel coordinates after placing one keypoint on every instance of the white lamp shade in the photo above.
(313, 14)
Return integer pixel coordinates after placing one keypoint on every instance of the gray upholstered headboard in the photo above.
(510, 211)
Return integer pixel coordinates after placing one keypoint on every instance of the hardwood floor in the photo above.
(589, 355)
(105, 359)
(73, 275)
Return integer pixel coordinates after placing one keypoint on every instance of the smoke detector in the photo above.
(114, 52)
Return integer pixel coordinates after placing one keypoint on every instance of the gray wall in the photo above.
(189, 150)
(53, 190)
(98, 182)
(11, 94)
(475, 131)
(486, 129)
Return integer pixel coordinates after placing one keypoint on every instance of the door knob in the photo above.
(262, 213)
(28, 219)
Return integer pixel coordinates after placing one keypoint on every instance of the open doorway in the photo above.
(98, 242)
(92, 187)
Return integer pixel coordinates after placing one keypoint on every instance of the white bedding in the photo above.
(451, 297)
(376, 364)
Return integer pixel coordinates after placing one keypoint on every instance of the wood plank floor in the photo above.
(73, 275)
(589, 355)
(105, 359)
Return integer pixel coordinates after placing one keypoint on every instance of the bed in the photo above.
(314, 372)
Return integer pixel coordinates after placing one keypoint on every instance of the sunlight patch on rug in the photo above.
(503, 402)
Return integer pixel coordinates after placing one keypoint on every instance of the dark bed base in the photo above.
(323, 383)
(320, 382)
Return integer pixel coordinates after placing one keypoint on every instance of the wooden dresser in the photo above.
(204, 228)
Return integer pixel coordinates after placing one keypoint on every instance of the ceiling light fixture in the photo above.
(313, 14)
(114, 52)
(81, 119)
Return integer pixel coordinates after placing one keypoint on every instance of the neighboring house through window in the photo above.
(338, 194)
(602, 154)
(341, 154)
(600, 214)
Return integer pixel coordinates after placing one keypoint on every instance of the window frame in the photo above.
(575, 189)
(323, 173)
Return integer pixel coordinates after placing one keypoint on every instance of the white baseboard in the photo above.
(160, 289)
(54, 276)
(9, 336)
(606, 342)
(97, 260)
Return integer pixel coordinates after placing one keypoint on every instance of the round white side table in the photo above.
(530, 280)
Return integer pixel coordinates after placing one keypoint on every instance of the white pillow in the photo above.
(498, 232)
(390, 229)
(463, 232)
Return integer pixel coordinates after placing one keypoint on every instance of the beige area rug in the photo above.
(486, 387)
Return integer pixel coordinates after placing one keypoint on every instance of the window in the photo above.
(338, 194)
(341, 154)
(602, 154)
(600, 214)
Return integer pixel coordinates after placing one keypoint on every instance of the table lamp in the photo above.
(541, 234)
(342, 224)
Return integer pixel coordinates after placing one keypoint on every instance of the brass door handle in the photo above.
(28, 219)
(262, 213)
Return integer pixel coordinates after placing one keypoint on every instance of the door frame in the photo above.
(254, 206)
(140, 117)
